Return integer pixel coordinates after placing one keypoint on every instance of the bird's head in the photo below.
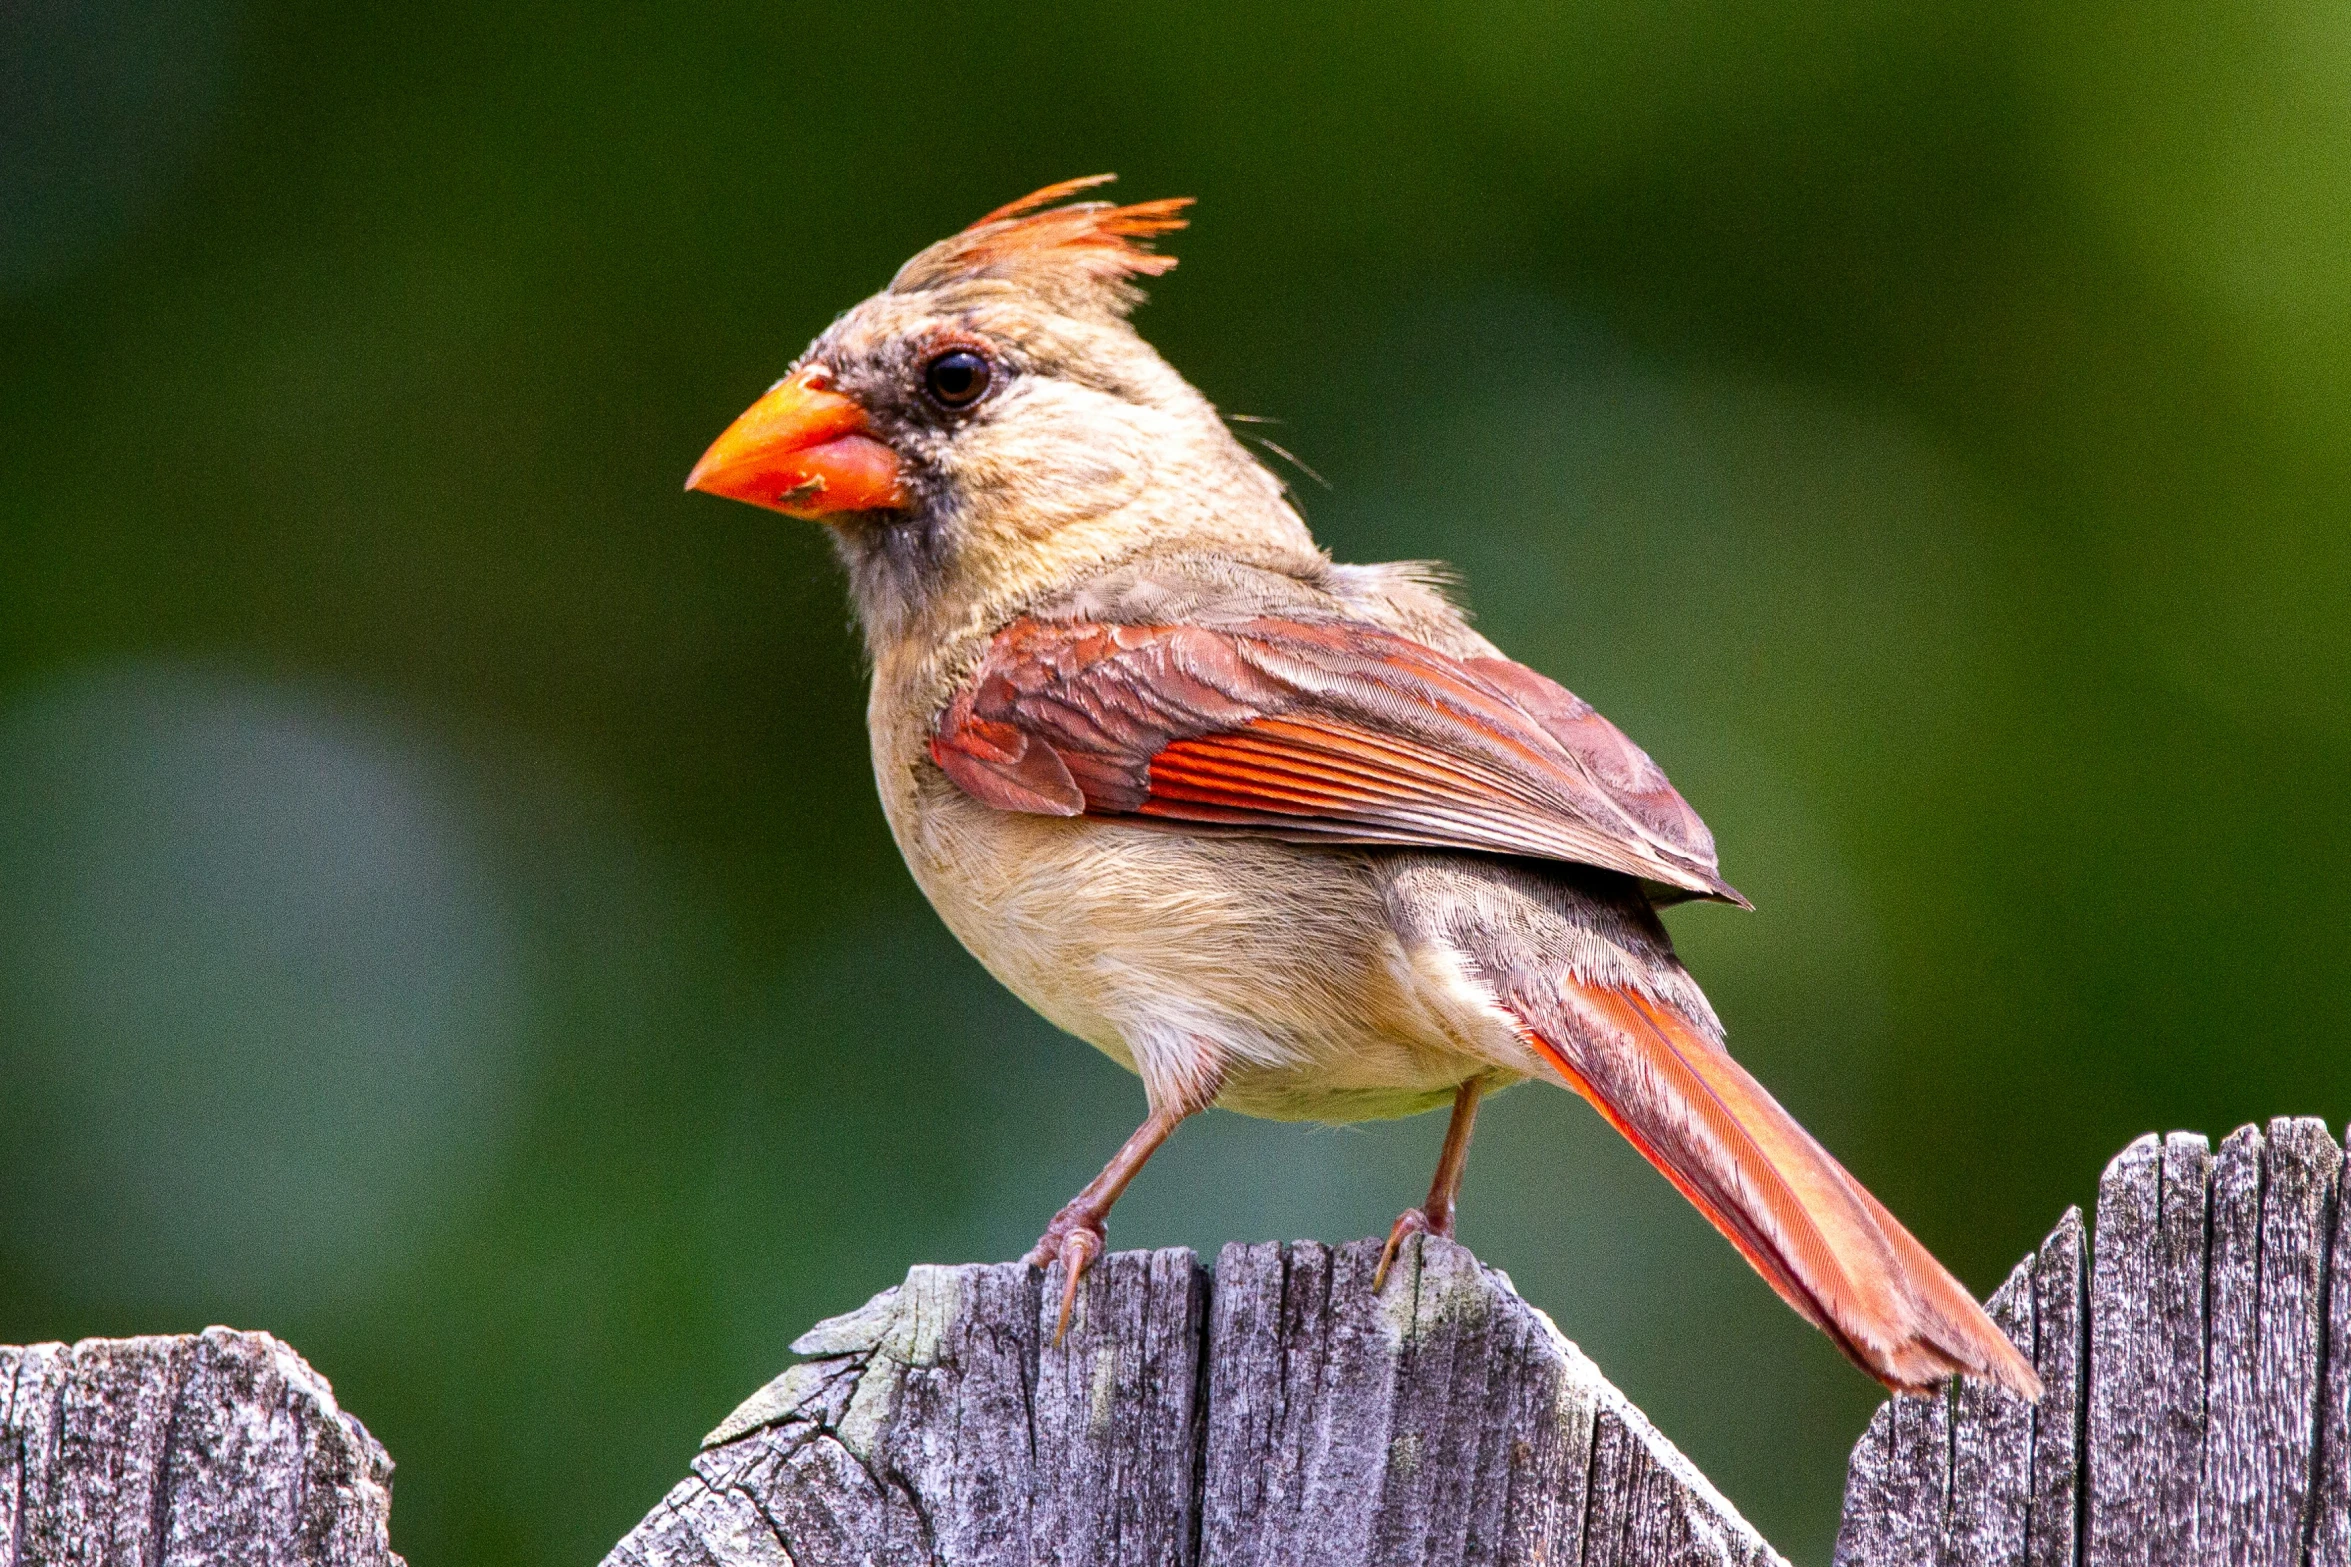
(990, 426)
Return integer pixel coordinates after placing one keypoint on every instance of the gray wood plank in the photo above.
(1647, 1504)
(1265, 1314)
(1951, 1479)
(11, 1453)
(29, 1443)
(2330, 1504)
(1117, 1415)
(2271, 1206)
(1992, 1448)
(2183, 1280)
(1898, 1487)
(2060, 1350)
(1443, 1421)
(2146, 1393)
(197, 1449)
(2233, 1329)
(940, 1423)
(2304, 1176)
(2120, 1462)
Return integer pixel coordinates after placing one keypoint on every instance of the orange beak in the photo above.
(802, 450)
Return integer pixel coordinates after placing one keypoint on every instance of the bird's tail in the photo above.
(1831, 1249)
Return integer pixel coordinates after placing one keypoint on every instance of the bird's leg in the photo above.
(1078, 1234)
(1435, 1216)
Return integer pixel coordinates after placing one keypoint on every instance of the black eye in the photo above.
(958, 378)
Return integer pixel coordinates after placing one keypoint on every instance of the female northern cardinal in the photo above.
(1274, 833)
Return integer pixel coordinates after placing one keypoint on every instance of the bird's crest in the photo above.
(1083, 255)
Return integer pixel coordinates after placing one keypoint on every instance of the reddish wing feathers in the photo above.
(1817, 1237)
(1325, 731)
(1341, 732)
(1616, 764)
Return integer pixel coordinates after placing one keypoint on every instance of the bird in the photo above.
(1276, 833)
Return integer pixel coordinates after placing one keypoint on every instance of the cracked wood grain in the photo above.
(2198, 1399)
(1278, 1413)
(187, 1451)
(2196, 1348)
(2269, 1232)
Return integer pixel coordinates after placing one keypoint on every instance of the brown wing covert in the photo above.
(1322, 731)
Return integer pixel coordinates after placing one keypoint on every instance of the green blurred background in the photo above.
(444, 916)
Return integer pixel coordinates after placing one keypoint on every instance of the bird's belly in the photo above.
(1261, 971)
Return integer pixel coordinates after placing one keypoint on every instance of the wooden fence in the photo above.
(1278, 1412)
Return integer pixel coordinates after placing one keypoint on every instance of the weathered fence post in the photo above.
(201, 1449)
(2197, 1351)
(2195, 1341)
(1285, 1414)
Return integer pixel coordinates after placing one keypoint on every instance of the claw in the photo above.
(1075, 1241)
(1078, 1251)
(1412, 1221)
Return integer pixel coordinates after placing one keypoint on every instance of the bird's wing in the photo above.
(1317, 730)
(1816, 1235)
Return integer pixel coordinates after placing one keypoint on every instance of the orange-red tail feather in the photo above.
(1830, 1249)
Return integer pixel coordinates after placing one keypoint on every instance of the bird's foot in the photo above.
(1412, 1221)
(1076, 1237)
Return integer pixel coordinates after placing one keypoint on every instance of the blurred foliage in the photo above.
(446, 920)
